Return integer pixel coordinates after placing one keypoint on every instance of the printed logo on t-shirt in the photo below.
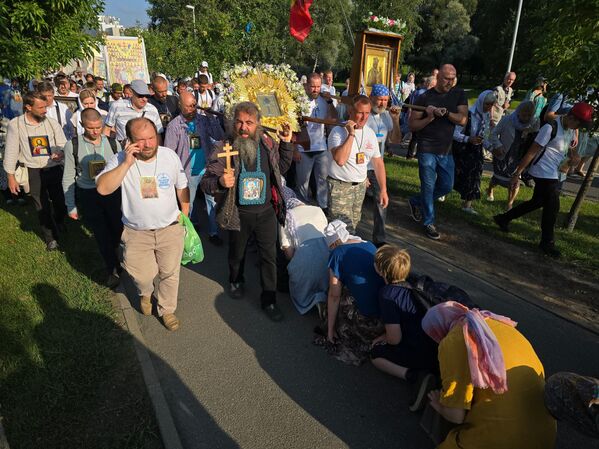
(164, 181)
(369, 146)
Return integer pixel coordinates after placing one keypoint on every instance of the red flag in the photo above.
(300, 21)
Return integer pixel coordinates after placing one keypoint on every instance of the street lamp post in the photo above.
(193, 11)
(509, 64)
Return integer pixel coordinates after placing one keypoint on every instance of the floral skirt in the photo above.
(469, 163)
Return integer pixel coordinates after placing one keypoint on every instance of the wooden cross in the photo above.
(228, 154)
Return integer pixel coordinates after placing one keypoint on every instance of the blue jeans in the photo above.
(194, 182)
(436, 180)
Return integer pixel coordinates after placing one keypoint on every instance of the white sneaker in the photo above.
(469, 210)
(490, 198)
(441, 199)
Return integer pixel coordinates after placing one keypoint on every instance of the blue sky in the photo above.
(128, 11)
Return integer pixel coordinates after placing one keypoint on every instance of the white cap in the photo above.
(204, 64)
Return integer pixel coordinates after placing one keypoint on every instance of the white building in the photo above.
(111, 25)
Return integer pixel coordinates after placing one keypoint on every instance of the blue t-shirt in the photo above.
(353, 265)
(397, 307)
(198, 156)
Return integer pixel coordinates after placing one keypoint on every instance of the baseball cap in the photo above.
(116, 87)
(140, 87)
(584, 113)
(204, 64)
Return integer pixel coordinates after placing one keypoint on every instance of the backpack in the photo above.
(427, 293)
(75, 142)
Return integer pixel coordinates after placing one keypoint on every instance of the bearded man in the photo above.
(249, 200)
(152, 179)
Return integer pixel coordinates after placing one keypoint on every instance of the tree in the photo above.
(37, 36)
(230, 32)
(445, 34)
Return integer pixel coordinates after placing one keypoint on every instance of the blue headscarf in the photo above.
(480, 120)
(379, 90)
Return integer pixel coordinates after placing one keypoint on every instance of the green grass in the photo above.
(579, 247)
(68, 373)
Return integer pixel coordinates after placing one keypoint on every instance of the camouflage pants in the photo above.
(345, 202)
(568, 397)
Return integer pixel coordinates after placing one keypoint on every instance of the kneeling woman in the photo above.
(492, 381)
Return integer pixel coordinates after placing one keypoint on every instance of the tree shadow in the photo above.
(359, 405)
(70, 378)
(77, 243)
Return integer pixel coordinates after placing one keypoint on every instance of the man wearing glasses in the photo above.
(137, 106)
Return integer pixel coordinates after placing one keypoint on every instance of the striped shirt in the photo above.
(122, 111)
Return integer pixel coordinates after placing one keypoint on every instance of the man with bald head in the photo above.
(446, 106)
(504, 94)
(84, 157)
(152, 180)
(191, 136)
(167, 105)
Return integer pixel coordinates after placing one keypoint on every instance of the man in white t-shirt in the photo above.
(203, 94)
(203, 70)
(56, 110)
(121, 112)
(551, 154)
(385, 124)
(314, 157)
(152, 179)
(352, 148)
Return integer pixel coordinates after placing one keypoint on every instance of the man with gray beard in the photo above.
(249, 200)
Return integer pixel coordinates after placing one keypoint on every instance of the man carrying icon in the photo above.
(247, 186)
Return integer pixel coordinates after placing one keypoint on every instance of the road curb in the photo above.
(166, 424)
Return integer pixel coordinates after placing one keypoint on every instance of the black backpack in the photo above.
(75, 142)
(427, 293)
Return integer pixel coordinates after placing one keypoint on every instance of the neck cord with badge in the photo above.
(147, 184)
(96, 165)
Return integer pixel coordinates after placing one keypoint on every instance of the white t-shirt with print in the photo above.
(547, 167)
(382, 125)
(316, 131)
(365, 142)
(150, 213)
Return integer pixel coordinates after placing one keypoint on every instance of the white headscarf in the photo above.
(337, 230)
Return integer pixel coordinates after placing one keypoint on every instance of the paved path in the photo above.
(234, 379)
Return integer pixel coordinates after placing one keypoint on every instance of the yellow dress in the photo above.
(516, 419)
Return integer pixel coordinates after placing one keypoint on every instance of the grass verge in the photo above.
(68, 372)
(579, 247)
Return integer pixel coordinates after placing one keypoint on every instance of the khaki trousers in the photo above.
(151, 253)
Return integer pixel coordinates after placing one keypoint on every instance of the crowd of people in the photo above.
(130, 161)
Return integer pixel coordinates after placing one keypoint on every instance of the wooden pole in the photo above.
(584, 188)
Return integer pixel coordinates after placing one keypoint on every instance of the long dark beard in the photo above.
(248, 150)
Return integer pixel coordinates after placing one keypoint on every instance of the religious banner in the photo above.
(98, 64)
(125, 59)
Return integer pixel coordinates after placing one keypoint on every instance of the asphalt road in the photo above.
(234, 379)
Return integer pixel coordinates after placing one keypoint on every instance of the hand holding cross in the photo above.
(227, 180)
(228, 154)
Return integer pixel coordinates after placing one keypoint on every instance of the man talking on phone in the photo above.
(152, 179)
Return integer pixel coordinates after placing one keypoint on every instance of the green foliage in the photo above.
(445, 34)
(37, 36)
(567, 49)
(221, 35)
